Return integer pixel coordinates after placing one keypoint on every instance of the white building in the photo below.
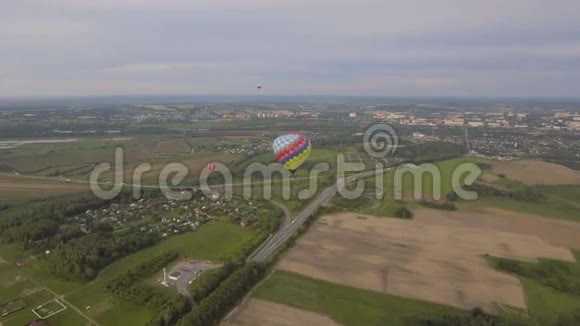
(475, 123)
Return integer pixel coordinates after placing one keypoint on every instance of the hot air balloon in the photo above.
(259, 86)
(291, 150)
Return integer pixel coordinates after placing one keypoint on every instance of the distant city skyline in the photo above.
(514, 48)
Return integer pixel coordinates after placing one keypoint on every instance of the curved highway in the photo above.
(288, 229)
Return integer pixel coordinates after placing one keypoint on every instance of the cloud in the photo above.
(160, 67)
(41, 29)
(374, 47)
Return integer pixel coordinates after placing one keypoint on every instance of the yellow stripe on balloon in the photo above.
(299, 159)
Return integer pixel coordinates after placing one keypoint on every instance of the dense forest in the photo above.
(45, 226)
(82, 258)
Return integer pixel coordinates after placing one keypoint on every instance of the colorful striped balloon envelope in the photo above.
(291, 150)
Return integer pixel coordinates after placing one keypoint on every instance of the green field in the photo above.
(36, 299)
(561, 202)
(346, 305)
(21, 282)
(545, 303)
(565, 196)
(214, 241)
(300, 181)
(17, 190)
(510, 184)
(425, 180)
(76, 159)
(385, 207)
(388, 205)
(48, 308)
(35, 269)
(10, 307)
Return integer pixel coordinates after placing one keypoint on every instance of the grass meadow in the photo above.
(346, 305)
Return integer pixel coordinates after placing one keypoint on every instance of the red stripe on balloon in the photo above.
(290, 148)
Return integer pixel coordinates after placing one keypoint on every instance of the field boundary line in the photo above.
(63, 308)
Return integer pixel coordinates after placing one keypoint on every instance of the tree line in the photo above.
(444, 205)
(226, 293)
(430, 152)
(205, 285)
(173, 310)
(477, 317)
(127, 280)
(531, 194)
(127, 288)
(212, 309)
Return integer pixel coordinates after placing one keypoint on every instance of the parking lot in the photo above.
(183, 273)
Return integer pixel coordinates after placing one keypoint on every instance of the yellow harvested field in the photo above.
(194, 166)
(260, 312)
(414, 259)
(555, 232)
(533, 172)
(489, 178)
(43, 186)
(13, 188)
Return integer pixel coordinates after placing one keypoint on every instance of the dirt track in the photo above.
(259, 312)
(439, 263)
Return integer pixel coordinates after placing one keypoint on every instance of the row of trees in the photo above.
(444, 205)
(208, 284)
(205, 285)
(430, 152)
(477, 317)
(230, 291)
(126, 287)
(173, 310)
(531, 194)
(211, 309)
(146, 269)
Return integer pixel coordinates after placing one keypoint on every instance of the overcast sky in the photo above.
(302, 47)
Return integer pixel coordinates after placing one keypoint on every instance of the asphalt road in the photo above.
(288, 229)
